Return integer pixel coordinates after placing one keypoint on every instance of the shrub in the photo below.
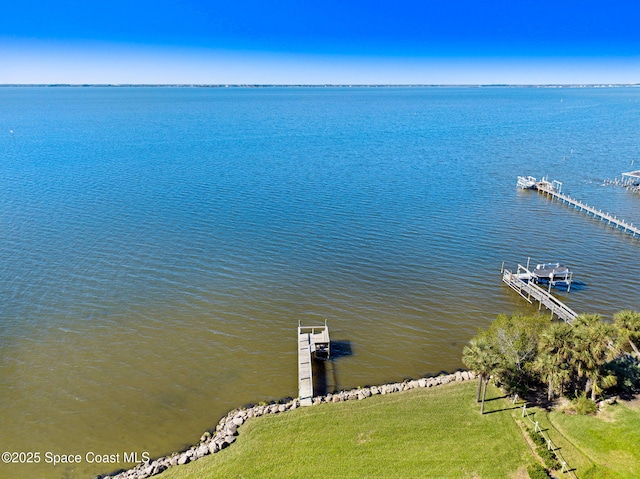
(536, 471)
(549, 458)
(537, 439)
(584, 406)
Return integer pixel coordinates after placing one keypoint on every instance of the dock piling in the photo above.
(553, 190)
(532, 292)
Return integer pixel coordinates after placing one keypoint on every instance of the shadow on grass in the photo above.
(496, 398)
(501, 410)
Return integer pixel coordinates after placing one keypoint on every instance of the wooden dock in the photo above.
(547, 189)
(313, 343)
(532, 292)
(305, 373)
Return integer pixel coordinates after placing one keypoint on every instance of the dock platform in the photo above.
(313, 344)
(532, 292)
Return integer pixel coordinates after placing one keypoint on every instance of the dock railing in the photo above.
(553, 192)
(315, 331)
(532, 292)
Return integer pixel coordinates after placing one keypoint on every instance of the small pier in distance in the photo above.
(313, 344)
(629, 180)
(524, 281)
(553, 190)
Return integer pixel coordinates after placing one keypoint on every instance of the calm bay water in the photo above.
(158, 246)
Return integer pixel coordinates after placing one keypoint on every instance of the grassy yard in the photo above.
(610, 441)
(603, 446)
(422, 433)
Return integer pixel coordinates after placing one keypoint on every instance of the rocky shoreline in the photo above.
(227, 429)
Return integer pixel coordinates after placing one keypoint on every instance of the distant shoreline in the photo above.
(328, 85)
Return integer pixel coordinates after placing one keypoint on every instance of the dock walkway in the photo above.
(532, 292)
(311, 340)
(547, 189)
(305, 374)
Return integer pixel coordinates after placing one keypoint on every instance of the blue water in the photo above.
(158, 246)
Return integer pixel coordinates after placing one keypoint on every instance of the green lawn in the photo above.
(604, 446)
(436, 432)
(609, 442)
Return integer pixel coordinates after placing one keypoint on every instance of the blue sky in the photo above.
(318, 42)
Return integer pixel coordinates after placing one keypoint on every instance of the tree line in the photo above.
(526, 353)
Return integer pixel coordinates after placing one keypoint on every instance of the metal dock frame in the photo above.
(532, 292)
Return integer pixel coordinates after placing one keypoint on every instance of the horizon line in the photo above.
(328, 85)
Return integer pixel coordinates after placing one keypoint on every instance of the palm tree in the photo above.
(479, 356)
(545, 365)
(593, 348)
(554, 352)
(471, 357)
(554, 373)
(628, 324)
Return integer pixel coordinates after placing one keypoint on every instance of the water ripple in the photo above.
(154, 264)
